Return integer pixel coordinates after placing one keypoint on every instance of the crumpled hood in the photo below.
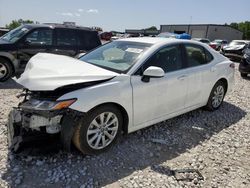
(45, 72)
(235, 47)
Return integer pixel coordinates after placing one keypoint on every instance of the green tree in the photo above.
(152, 28)
(16, 23)
(243, 27)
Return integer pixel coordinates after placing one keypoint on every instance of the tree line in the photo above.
(244, 27)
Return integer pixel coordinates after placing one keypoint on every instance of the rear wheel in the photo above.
(243, 75)
(6, 70)
(216, 96)
(99, 130)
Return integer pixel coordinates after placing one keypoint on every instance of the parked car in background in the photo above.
(106, 36)
(122, 86)
(203, 40)
(244, 67)
(174, 35)
(218, 44)
(20, 44)
(3, 31)
(235, 49)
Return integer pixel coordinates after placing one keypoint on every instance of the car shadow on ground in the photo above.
(10, 84)
(133, 152)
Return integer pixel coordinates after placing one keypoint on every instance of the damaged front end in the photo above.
(41, 117)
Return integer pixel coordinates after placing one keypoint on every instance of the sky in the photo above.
(126, 14)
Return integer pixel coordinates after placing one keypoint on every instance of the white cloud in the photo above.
(80, 10)
(77, 14)
(69, 14)
(93, 11)
(66, 14)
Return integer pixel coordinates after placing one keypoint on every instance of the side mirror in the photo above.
(27, 42)
(152, 72)
(79, 55)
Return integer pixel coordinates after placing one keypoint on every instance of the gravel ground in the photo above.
(217, 144)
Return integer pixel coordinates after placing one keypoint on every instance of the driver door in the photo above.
(38, 40)
(154, 100)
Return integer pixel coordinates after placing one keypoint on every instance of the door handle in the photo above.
(182, 77)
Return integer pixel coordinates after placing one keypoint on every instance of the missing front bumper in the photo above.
(34, 129)
(19, 134)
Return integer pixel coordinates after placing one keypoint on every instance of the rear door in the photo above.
(200, 73)
(65, 42)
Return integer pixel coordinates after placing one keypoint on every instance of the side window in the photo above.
(66, 37)
(209, 56)
(195, 55)
(168, 58)
(40, 37)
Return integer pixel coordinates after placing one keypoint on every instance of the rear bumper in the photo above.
(244, 67)
(233, 55)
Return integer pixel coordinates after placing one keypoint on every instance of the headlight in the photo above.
(47, 105)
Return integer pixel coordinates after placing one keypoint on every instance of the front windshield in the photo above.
(117, 56)
(15, 34)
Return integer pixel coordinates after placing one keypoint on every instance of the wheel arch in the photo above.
(9, 60)
(122, 110)
(224, 81)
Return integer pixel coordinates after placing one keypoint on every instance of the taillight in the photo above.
(212, 46)
(232, 65)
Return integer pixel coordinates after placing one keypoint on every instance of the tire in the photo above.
(90, 130)
(6, 70)
(216, 96)
(243, 75)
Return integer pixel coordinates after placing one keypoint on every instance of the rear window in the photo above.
(197, 55)
(88, 40)
(66, 37)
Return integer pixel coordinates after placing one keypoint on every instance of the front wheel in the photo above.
(99, 130)
(216, 96)
(6, 70)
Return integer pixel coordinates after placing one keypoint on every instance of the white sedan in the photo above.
(120, 87)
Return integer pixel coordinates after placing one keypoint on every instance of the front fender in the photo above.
(117, 90)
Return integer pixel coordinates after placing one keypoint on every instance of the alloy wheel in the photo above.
(217, 99)
(3, 70)
(102, 130)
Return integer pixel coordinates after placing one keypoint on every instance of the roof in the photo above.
(161, 41)
(149, 40)
(54, 25)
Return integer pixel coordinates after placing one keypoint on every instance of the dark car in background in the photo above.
(244, 67)
(235, 49)
(20, 44)
(202, 40)
(217, 44)
(106, 36)
(3, 31)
